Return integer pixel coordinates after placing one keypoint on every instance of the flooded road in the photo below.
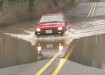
(24, 47)
(19, 45)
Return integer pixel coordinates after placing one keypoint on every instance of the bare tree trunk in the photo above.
(31, 8)
(31, 5)
(55, 2)
(1, 5)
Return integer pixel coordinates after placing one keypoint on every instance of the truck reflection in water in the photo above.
(47, 49)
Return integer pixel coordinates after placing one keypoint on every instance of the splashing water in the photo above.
(27, 37)
(88, 28)
(32, 38)
(83, 29)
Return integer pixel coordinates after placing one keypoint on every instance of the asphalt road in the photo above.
(80, 51)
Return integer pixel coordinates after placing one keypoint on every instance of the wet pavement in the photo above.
(19, 46)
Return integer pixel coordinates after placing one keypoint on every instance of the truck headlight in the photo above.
(60, 28)
(38, 29)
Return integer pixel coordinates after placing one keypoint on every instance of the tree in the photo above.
(31, 5)
(31, 8)
(1, 5)
(55, 2)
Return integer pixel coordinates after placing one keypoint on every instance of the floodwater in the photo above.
(21, 46)
(90, 51)
(14, 51)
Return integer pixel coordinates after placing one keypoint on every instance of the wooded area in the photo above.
(14, 11)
